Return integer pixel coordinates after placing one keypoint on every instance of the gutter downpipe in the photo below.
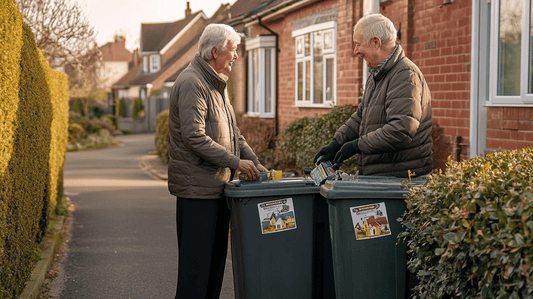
(276, 116)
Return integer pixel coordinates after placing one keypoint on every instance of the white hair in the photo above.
(216, 35)
(376, 25)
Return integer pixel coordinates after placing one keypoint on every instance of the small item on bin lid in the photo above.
(264, 176)
(322, 172)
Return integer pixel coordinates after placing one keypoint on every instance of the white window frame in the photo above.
(155, 63)
(257, 101)
(145, 64)
(524, 99)
(326, 54)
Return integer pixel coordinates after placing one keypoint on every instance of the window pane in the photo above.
(299, 46)
(307, 80)
(328, 40)
(329, 79)
(268, 81)
(307, 42)
(318, 70)
(255, 85)
(300, 79)
(509, 48)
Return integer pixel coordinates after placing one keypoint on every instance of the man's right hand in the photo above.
(329, 151)
(248, 167)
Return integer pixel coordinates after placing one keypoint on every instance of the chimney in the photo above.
(188, 10)
(136, 58)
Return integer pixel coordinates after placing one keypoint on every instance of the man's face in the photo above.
(367, 52)
(225, 58)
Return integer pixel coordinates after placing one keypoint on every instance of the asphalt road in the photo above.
(123, 238)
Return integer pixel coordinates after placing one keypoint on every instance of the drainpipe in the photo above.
(276, 117)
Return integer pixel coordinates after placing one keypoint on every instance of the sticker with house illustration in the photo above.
(276, 215)
(370, 221)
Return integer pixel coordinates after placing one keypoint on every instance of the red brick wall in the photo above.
(348, 74)
(437, 39)
(509, 128)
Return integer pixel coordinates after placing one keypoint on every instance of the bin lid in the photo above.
(368, 187)
(288, 186)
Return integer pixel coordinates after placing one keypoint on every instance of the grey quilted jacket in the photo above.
(205, 145)
(393, 122)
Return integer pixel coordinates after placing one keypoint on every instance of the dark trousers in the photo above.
(203, 226)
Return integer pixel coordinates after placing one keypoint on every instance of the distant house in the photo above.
(117, 61)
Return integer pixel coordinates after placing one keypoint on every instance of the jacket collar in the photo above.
(386, 65)
(218, 81)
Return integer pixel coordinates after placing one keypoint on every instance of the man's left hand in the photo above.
(347, 150)
(261, 168)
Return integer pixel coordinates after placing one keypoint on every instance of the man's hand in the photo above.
(248, 167)
(327, 151)
(347, 150)
(261, 168)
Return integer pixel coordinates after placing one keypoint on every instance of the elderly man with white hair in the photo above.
(391, 129)
(206, 149)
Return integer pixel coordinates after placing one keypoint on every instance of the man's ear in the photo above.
(214, 51)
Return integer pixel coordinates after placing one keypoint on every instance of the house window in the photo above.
(511, 47)
(145, 64)
(315, 65)
(154, 63)
(261, 76)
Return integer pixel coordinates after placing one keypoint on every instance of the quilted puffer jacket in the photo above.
(205, 145)
(393, 123)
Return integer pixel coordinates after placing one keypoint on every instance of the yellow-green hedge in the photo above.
(33, 138)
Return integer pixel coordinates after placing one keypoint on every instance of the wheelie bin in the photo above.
(368, 259)
(280, 241)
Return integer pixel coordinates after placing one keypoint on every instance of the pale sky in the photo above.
(109, 17)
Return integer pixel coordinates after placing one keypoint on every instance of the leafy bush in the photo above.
(260, 136)
(304, 137)
(138, 109)
(470, 229)
(161, 136)
(121, 107)
(89, 133)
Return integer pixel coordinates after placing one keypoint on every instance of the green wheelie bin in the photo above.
(368, 259)
(280, 243)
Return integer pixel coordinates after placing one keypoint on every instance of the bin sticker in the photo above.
(370, 221)
(276, 215)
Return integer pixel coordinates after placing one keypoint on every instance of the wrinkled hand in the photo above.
(248, 167)
(327, 151)
(347, 150)
(261, 168)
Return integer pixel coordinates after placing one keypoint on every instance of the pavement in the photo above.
(151, 164)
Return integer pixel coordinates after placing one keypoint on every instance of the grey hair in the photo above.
(216, 35)
(376, 25)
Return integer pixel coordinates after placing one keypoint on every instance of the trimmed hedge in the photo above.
(304, 137)
(161, 136)
(470, 229)
(34, 121)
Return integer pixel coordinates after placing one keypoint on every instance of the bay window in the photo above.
(261, 76)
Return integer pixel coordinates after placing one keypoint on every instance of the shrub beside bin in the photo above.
(280, 240)
(368, 260)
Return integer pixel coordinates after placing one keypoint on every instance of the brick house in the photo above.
(468, 50)
(116, 62)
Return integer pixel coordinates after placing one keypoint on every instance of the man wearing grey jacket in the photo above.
(206, 149)
(391, 129)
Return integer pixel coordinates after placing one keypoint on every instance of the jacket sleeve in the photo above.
(245, 149)
(193, 110)
(403, 112)
(350, 130)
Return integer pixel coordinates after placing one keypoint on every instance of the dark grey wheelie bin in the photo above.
(368, 260)
(280, 241)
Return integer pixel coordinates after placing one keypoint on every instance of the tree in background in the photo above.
(67, 40)
(60, 28)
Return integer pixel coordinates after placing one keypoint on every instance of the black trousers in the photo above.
(203, 226)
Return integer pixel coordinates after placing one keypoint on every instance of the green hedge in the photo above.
(470, 229)
(304, 137)
(161, 136)
(34, 118)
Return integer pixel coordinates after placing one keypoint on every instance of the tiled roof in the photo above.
(155, 36)
(115, 51)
